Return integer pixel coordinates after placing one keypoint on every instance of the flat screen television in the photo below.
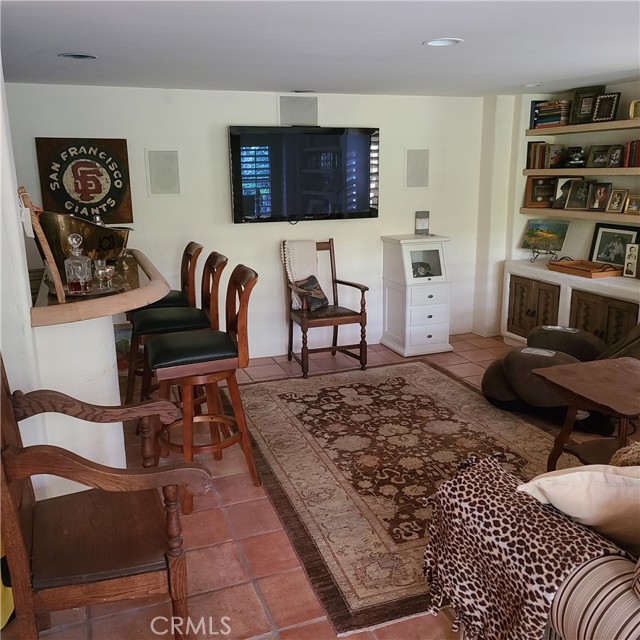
(286, 174)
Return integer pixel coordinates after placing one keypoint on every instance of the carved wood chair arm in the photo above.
(47, 459)
(33, 403)
(362, 287)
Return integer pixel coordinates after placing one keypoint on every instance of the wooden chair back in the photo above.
(241, 283)
(188, 271)
(211, 274)
(110, 543)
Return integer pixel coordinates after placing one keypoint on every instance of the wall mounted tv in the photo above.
(286, 174)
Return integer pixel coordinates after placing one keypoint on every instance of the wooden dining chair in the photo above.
(309, 307)
(119, 540)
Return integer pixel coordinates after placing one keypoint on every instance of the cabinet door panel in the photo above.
(520, 295)
(547, 301)
(585, 312)
(619, 318)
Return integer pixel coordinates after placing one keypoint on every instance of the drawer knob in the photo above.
(430, 316)
(429, 336)
(430, 295)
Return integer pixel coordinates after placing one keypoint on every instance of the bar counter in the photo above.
(141, 284)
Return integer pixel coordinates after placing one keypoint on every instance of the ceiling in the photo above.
(356, 47)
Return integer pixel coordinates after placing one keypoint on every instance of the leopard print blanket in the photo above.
(498, 556)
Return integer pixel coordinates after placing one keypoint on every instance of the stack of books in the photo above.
(542, 155)
(546, 113)
(631, 154)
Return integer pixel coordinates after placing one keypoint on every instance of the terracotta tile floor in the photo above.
(240, 561)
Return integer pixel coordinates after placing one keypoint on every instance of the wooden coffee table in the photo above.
(611, 387)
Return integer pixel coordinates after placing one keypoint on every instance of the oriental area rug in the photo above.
(348, 460)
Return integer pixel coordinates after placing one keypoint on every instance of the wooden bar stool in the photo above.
(191, 359)
(155, 321)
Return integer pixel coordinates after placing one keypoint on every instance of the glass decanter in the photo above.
(77, 267)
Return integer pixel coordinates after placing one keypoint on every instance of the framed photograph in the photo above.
(598, 155)
(578, 194)
(610, 242)
(606, 107)
(616, 153)
(631, 261)
(540, 192)
(545, 235)
(562, 192)
(634, 109)
(584, 103)
(633, 204)
(599, 196)
(617, 200)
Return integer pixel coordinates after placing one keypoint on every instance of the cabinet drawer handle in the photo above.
(430, 316)
(429, 336)
(430, 295)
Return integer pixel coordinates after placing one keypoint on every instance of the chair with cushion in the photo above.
(154, 321)
(309, 307)
(191, 359)
(119, 540)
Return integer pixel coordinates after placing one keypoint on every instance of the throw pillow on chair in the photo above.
(317, 298)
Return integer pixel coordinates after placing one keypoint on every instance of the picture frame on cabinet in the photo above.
(609, 243)
(598, 196)
(615, 156)
(617, 200)
(631, 261)
(606, 107)
(633, 204)
(583, 104)
(598, 155)
(545, 235)
(540, 191)
(578, 195)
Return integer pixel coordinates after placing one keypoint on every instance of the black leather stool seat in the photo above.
(175, 298)
(189, 347)
(150, 321)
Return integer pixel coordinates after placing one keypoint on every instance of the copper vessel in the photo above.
(99, 242)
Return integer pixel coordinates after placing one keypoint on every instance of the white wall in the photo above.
(195, 123)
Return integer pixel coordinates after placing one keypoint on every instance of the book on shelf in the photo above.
(549, 113)
(543, 155)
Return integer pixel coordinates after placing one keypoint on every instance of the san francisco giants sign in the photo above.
(85, 177)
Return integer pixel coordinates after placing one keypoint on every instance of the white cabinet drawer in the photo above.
(428, 335)
(432, 294)
(428, 314)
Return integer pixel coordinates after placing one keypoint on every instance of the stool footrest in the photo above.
(164, 435)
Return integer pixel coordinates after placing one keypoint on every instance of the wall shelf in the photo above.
(586, 171)
(591, 127)
(578, 214)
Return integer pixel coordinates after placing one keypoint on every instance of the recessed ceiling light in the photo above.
(443, 42)
(78, 56)
(531, 85)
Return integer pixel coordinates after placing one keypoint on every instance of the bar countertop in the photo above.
(141, 284)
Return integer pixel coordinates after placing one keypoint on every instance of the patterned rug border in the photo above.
(344, 621)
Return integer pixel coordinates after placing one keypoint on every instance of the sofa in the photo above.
(553, 558)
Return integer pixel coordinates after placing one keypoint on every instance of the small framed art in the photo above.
(631, 261)
(545, 235)
(599, 196)
(598, 155)
(584, 103)
(633, 204)
(540, 192)
(578, 195)
(609, 243)
(562, 192)
(617, 200)
(614, 159)
(606, 107)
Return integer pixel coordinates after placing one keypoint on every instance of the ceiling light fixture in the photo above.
(443, 42)
(78, 56)
(530, 85)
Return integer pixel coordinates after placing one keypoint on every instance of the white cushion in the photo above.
(600, 496)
